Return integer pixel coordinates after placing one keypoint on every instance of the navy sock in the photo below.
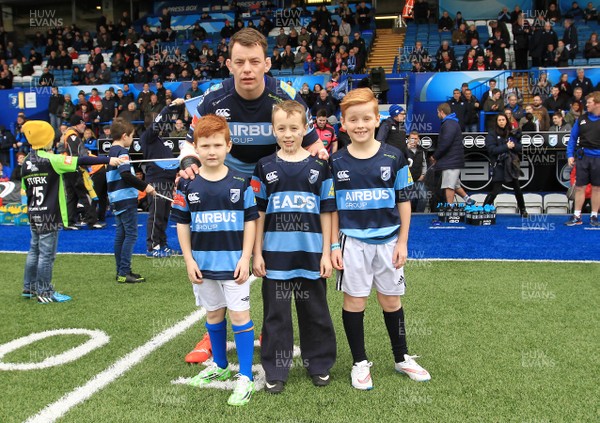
(218, 341)
(394, 321)
(355, 332)
(244, 342)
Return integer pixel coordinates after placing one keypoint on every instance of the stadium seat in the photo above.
(534, 203)
(580, 62)
(595, 61)
(506, 204)
(556, 204)
(478, 198)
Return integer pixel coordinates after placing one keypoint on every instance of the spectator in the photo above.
(326, 132)
(512, 122)
(287, 58)
(549, 59)
(565, 87)
(281, 39)
(15, 176)
(559, 124)
(516, 110)
(421, 12)
(492, 106)
(590, 13)
(541, 113)
(574, 113)
(549, 36)
(469, 61)
(100, 115)
(457, 106)
(444, 47)
(363, 16)
(512, 89)
(445, 63)
(300, 57)
(89, 141)
(536, 48)
(582, 81)
(529, 123)
(570, 39)
(151, 110)
(83, 112)
(553, 15)
(322, 65)
(292, 39)
(575, 12)
(497, 64)
(419, 53)
(7, 141)
(180, 131)
(46, 79)
(458, 20)
(324, 101)
(277, 60)
(459, 35)
(417, 160)
(445, 23)
(542, 87)
(514, 15)
(472, 34)
(449, 156)
(498, 45)
(132, 114)
(16, 67)
(55, 108)
(555, 102)
(592, 47)
(504, 15)
(165, 19)
(67, 109)
(393, 130)
(103, 74)
(492, 84)
(504, 146)
(472, 107)
(521, 42)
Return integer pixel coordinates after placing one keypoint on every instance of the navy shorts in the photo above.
(588, 171)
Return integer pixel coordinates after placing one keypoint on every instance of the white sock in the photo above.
(577, 213)
(592, 214)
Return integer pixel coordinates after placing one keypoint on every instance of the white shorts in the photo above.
(365, 264)
(214, 295)
(450, 178)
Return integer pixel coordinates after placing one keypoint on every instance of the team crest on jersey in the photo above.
(343, 175)
(314, 175)
(272, 177)
(234, 195)
(386, 173)
(193, 198)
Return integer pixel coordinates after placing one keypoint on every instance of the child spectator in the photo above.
(295, 198)
(216, 225)
(42, 181)
(371, 181)
(122, 192)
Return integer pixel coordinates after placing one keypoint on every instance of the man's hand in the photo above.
(115, 162)
(571, 161)
(318, 149)
(189, 172)
(150, 190)
(177, 102)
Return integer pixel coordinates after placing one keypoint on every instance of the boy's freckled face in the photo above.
(212, 150)
(360, 122)
(289, 131)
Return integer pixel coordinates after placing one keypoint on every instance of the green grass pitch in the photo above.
(503, 341)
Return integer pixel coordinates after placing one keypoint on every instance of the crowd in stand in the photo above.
(537, 40)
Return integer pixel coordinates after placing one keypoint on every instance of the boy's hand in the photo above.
(336, 259)
(318, 149)
(326, 267)
(242, 270)
(400, 254)
(150, 190)
(258, 266)
(194, 273)
(115, 161)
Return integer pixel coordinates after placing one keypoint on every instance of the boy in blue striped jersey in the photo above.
(123, 187)
(216, 223)
(295, 198)
(372, 218)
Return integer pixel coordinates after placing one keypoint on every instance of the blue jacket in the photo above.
(449, 153)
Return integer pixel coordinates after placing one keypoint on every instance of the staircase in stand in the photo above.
(385, 48)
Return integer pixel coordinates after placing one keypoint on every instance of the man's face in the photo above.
(555, 91)
(321, 121)
(577, 93)
(456, 95)
(248, 66)
(323, 94)
(413, 141)
(492, 83)
(556, 119)
(179, 124)
(512, 101)
(537, 101)
(400, 117)
(580, 74)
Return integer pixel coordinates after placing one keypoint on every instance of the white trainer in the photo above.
(411, 369)
(361, 375)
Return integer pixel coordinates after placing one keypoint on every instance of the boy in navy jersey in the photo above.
(373, 218)
(295, 198)
(47, 206)
(123, 187)
(216, 223)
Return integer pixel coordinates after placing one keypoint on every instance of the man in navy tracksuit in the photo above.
(162, 177)
(449, 156)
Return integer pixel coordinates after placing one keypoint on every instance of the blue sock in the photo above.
(218, 341)
(244, 342)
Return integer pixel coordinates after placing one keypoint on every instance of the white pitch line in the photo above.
(526, 228)
(447, 227)
(59, 408)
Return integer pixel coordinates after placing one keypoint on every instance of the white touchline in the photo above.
(97, 339)
(59, 408)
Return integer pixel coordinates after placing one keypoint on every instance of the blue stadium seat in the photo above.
(285, 72)
(594, 61)
(580, 62)
(298, 71)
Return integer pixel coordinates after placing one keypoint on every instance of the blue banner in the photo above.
(481, 9)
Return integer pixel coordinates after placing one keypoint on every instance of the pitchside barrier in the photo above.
(543, 159)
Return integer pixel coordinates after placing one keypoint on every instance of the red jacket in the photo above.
(327, 135)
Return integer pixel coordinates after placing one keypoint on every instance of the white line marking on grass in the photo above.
(59, 408)
(97, 339)
(447, 227)
(591, 229)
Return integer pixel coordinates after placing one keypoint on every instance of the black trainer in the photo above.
(128, 279)
(321, 380)
(274, 387)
